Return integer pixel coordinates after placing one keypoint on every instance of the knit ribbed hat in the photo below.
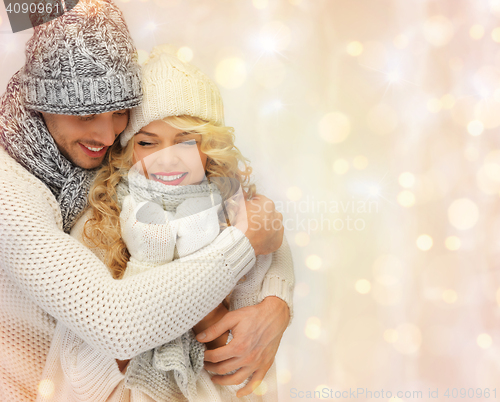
(172, 87)
(83, 62)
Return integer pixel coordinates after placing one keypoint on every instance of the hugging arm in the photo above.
(257, 330)
(119, 318)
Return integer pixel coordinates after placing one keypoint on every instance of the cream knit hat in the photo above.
(173, 88)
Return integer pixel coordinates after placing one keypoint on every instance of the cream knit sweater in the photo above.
(46, 275)
(84, 374)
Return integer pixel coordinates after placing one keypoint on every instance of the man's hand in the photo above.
(257, 332)
(212, 318)
(265, 225)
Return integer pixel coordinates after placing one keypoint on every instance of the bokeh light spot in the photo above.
(406, 179)
(438, 30)
(373, 190)
(302, 239)
(448, 101)
(334, 127)
(450, 296)
(151, 26)
(260, 4)
(46, 388)
(463, 213)
(401, 41)
(314, 262)
(393, 76)
(363, 286)
(406, 198)
(275, 36)
(360, 162)
(452, 243)
(492, 165)
(284, 376)
(475, 127)
(434, 105)
(424, 242)
(484, 341)
(340, 166)
(313, 328)
(476, 31)
(390, 335)
(294, 193)
(231, 72)
(185, 54)
(320, 388)
(354, 48)
(261, 389)
(495, 34)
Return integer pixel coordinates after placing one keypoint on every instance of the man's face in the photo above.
(84, 140)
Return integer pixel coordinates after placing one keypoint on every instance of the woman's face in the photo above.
(169, 155)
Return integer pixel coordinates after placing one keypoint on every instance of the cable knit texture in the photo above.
(82, 62)
(46, 274)
(173, 88)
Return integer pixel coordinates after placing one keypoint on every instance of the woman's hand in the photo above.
(257, 332)
(213, 317)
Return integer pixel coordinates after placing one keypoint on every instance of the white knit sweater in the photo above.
(46, 275)
(84, 374)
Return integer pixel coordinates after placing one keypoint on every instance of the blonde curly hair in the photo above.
(224, 160)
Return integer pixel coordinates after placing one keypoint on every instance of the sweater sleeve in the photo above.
(121, 318)
(280, 279)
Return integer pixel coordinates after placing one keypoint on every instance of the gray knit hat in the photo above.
(83, 62)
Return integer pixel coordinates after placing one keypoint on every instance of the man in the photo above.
(59, 115)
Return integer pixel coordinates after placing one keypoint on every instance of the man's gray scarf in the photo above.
(25, 137)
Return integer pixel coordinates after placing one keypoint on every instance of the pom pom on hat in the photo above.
(172, 87)
(162, 49)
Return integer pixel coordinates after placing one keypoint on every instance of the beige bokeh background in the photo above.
(373, 124)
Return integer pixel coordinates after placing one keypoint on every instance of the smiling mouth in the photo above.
(93, 149)
(94, 152)
(170, 179)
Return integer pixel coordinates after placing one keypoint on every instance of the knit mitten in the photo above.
(148, 231)
(198, 224)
